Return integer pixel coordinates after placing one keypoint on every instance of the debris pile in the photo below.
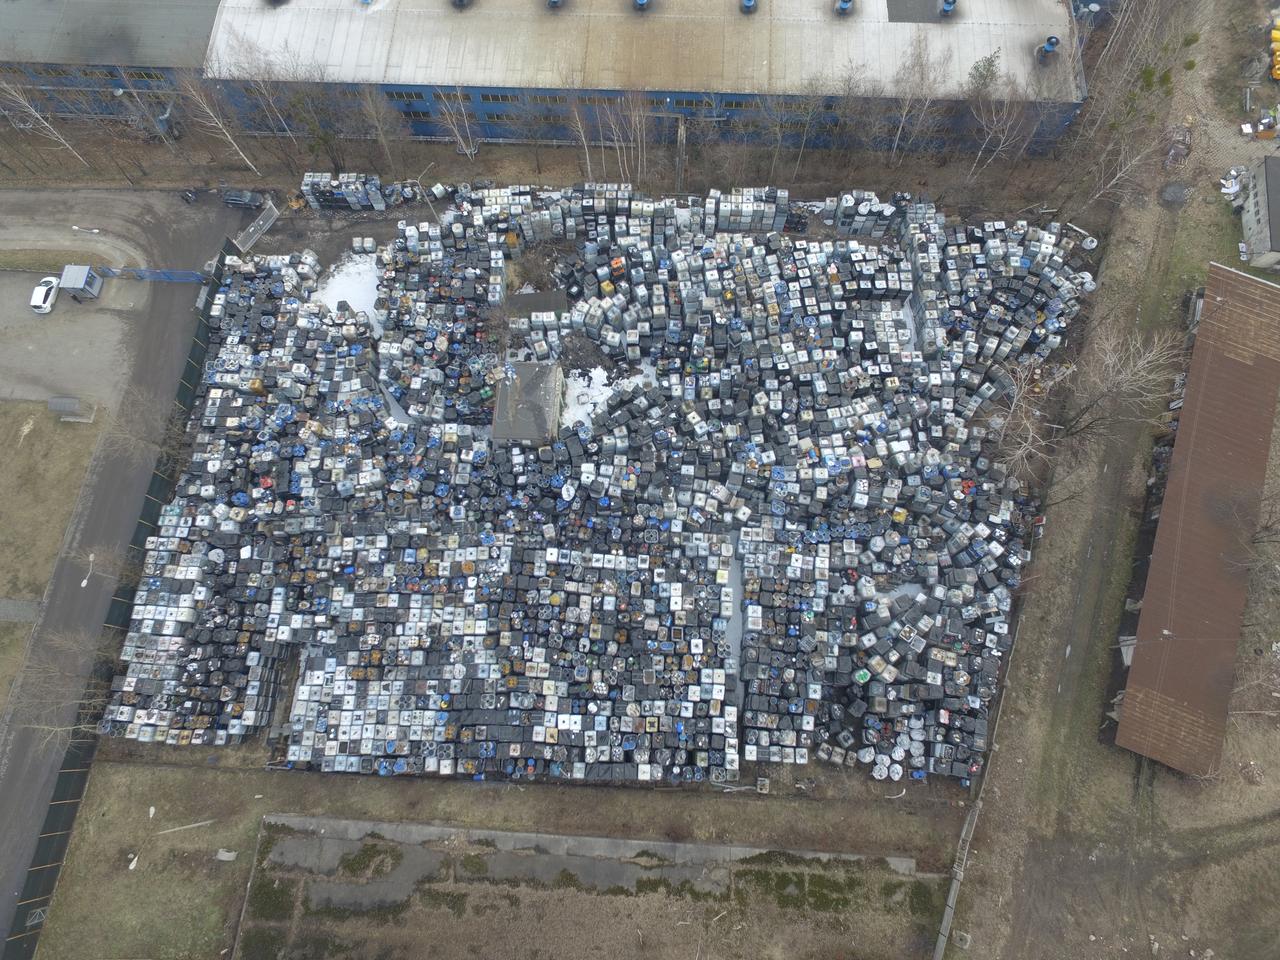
(785, 534)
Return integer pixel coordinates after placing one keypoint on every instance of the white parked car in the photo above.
(43, 296)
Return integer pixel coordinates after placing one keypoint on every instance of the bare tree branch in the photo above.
(207, 107)
(19, 107)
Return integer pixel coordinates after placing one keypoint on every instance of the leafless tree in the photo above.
(920, 113)
(150, 429)
(625, 123)
(383, 122)
(210, 111)
(580, 123)
(1143, 41)
(1268, 526)
(807, 108)
(1116, 380)
(1118, 169)
(65, 684)
(456, 116)
(266, 76)
(319, 115)
(21, 109)
(998, 105)
(121, 563)
(1120, 129)
(718, 149)
(1021, 430)
(773, 126)
(859, 109)
(530, 123)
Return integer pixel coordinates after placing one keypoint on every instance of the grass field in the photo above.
(176, 875)
(41, 473)
(50, 260)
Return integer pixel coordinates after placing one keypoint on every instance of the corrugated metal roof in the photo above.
(122, 33)
(1175, 705)
(681, 45)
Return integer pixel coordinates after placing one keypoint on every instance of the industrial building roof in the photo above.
(680, 45)
(124, 33)
(1180, 682)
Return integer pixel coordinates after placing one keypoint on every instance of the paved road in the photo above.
(161, 231)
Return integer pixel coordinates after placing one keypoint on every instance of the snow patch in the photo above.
(583, 393)
(586, 392)
(354, 279)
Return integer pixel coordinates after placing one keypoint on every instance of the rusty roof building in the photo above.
(1180, 682)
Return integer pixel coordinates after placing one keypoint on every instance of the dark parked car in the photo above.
(243, 198)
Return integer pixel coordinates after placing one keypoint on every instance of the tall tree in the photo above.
(455, 114)
(209, 109)
(23, 112)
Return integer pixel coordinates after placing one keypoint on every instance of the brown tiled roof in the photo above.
(1175, 705)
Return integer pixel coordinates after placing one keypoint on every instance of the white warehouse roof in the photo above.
(679, 45)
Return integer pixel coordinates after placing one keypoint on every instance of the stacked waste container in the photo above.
(784, 536)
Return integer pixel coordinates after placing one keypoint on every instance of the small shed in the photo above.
(527, 408)
(80, 282)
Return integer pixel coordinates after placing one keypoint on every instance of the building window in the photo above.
(750, 103)
(53, 72)
(405, 96)
(499, 98)
(547, 99)
(685, 103)
(418, 115)
(98, 73)
(595, 101)
(11, 70)
(451, 97)
(143, 75)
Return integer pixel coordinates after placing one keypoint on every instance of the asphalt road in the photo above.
(160, 231)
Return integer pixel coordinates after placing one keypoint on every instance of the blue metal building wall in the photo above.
(82, 90)
(495, 113)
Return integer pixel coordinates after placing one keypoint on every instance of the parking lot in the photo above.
(78, 349)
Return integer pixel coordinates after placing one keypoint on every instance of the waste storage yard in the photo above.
(781, 538)
(524, 535)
